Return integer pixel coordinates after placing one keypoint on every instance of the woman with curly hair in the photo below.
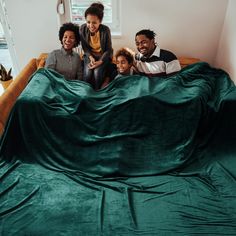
(65, 61)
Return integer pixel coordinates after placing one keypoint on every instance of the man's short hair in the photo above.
(147, 32)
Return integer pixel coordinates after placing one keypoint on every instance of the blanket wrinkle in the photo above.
(142, 156)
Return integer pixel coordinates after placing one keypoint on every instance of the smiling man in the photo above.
(150, 59)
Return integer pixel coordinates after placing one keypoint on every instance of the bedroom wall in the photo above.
(187, 27)
(34, 26)
(226, 55)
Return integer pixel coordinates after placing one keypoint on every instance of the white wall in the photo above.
(34, 27)
(226, 56)
(187, 27)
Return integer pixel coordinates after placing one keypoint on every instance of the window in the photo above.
(7, 49)
(111, 13)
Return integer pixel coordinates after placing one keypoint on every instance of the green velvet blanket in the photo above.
(143, 156)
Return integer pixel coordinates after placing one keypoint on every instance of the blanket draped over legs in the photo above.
(143, 156)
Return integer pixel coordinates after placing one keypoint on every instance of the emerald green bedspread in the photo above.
(143, 156)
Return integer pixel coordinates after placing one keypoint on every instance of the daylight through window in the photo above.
(111, 13)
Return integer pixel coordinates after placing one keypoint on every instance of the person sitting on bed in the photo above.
(150, 59)
(65, 61)
(96, 44)
(124, 63)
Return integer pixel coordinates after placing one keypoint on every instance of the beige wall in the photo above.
(187, 27)
(226, 56)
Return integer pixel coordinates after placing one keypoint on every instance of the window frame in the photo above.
(8, 37)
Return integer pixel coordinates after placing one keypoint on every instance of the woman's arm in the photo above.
(80, 70)
(84, 37)
(51, 60)
(106, 43)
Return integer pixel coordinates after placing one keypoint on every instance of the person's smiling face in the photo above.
(68, 40)
(145, 45)
(123, 66)
(93, 23)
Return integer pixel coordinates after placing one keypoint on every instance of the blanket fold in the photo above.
(142, 156)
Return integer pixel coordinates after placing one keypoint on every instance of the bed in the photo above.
(139, 157)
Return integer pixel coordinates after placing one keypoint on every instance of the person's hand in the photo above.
(92, 60)
(95, 64)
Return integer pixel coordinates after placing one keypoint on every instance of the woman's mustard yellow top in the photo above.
(95, 42)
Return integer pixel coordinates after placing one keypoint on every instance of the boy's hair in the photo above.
(95, 9)
(70, 27)
(123, 52)
(147, 32)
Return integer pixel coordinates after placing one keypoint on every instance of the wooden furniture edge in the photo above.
(10, 95)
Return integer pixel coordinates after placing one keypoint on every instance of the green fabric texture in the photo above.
(143, 156)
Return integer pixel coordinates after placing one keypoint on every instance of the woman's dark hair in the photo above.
(148, 33)
(70, 27)
(95, 9)
(123, 52)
